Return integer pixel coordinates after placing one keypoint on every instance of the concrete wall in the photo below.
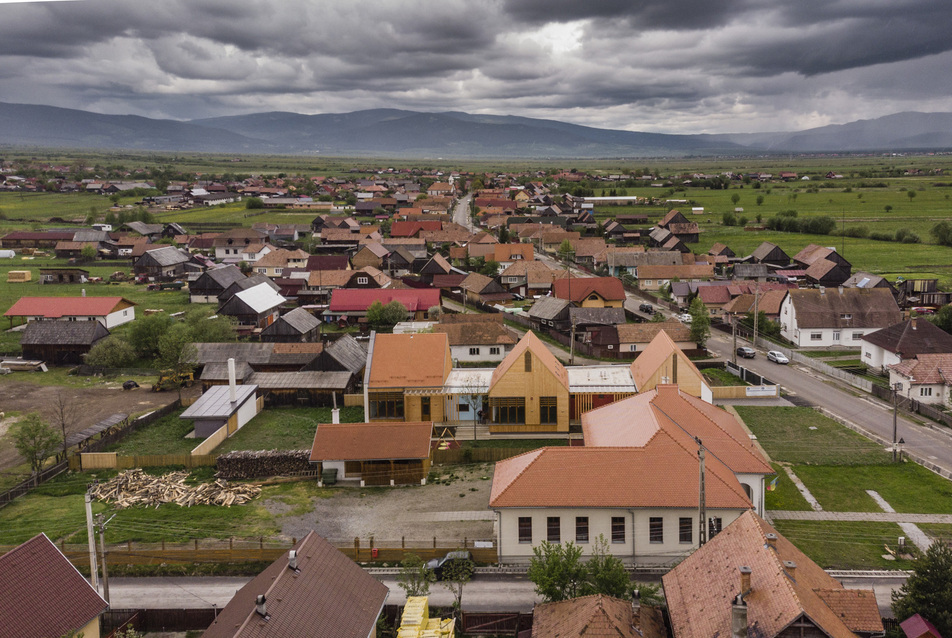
(461, 353)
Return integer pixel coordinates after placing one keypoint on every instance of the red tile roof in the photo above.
(411, 229)
(656, 475)
(328, 595)
(409, 361)
(597, 616)
(56, 307)
(371, 441)
(356, 300)
(43, 595)
(701, 589)
(576, 289)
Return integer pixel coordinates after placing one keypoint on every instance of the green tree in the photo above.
(942, 233)
(565, 249)
(111, 352)
(253, 203)
(928, 591)
(144, 334)
(735, 198)
(394, 312)
(557, 571)
(490, 268)
(204, 326)
(456, 573)
(88, 252)
(415, 577)
(943, 318)
(760, 200)
(911, 194)
(700, 322)
(605, 573)
(35, 440)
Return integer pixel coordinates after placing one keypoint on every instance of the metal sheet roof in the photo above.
(468, 380)
(600, 379)
(216, 402)
(261, 298)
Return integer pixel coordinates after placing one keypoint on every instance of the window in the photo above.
(494, 350)
(925, 392)
(548, 410)
(125, 313)
(618, 529)
(525, 529)
(581, 529)
(633, 347)
(474, 352)
(648, 282)
(857, 336)
(713, 527)
(553, 529)
(846, 317)
(527, 359)
(386, 405)
(508, 409)
(362, 281)
(656, 529)
(816, 336)
(263, 271)
(836, 335)
(686, 530)
(868, 355)
(464, 407)
(425, 408)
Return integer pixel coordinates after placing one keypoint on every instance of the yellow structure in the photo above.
(416, 621)
(398, 391)
(19, 276)
(529, 390)
(663, 363)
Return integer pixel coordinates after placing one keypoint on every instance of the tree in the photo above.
(144, 334)
(111, 352)
(700, 322)
(88, 252)
(942, 233)
(557, 571)
(395, 312)
(490, 268)
(34, 439)
(911, 194)
(65, 413)
(928, 591)
(204, 326)
(943, 318)
(605, 572)
(565, 249)
(457, 573)
(415, 577)
(735, 198)
(254, 202)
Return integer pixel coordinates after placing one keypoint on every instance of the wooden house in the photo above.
(212, 283)
(109, 311)
(256, 307)
(590, 292)
(663, 363)
(372, 254)
(768, 253)
(529, 390)
(394, 391)
(61, 342)
(299, 325)
(63, 275)
(479, 287)
(167, 262)
(375, 453)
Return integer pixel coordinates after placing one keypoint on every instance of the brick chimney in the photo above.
(739, 606)
(772, 541)
(791, 568)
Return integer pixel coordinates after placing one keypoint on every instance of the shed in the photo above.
(302, 388)
(61, 342)
(19, 276)
(217, 408)
(344, 354)
(388, 453)
(256, 306)
(63, 275)
(299, 325)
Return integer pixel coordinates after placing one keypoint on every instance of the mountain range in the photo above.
(412, 134)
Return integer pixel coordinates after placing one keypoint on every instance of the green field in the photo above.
(845, 545)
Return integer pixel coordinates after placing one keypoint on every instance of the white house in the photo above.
(829, 317)
(904, 340)
(109, 311)
(927, 378)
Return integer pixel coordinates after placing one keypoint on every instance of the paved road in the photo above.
(853, 405)
(484, 593)
(461, 213)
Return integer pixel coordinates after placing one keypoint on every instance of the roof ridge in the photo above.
(537, 452)
(741, 444)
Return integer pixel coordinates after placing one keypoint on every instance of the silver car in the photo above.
(777, 357)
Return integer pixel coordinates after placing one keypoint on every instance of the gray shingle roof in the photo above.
(548, 308)
(301, 320)
(167, 256)
(348, 352)
(216, 402)
(44, 333)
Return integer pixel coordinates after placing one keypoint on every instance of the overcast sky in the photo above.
(671, 66)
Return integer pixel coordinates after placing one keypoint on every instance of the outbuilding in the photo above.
(390, 453)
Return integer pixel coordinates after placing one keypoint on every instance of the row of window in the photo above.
(553, 529)
(818, 336)
(513, 410)
(493, 350)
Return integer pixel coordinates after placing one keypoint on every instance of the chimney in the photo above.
(822, 290)
(772, 541)
(232, 392)
(912, 323)
(791, 568)
(335, 415)
(739, 618)
(744, 581)
(840, 289)
(292, 560)
(260, 606)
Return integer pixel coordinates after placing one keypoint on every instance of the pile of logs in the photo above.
(246, 464)
(135, 487)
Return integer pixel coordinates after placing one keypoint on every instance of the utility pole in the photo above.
(93, 567)
(734, 337)
(756, 310)
(101, 526)
(701, 502)
(896, 388)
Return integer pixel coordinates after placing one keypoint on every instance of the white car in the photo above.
(777, 357)
(684, 318)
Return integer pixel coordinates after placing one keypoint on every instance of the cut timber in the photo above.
(135, 487)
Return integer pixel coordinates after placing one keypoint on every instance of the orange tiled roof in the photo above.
(371, 441)
(595, 616)
(405, 361)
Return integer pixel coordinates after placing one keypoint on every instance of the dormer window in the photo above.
(846, 316)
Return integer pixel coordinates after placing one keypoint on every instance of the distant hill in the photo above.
(398, 133)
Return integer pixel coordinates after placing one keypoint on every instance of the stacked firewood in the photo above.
(247, 464)
(134, 487)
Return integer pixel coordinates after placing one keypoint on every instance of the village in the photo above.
(479, 370)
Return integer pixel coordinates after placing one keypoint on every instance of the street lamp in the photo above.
(896, 387)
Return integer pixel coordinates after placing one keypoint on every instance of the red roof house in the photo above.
(109, 311)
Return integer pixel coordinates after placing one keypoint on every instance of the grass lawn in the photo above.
(845, 545)
(285, 429)
(718, 377)
(907, 487)
(938, 531)
(786, 496)
(786, 434)
(57, 509)
(165, 436)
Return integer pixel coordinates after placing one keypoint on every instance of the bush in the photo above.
(254, 202)
(881, 237)
(111, 352)
(857, 231)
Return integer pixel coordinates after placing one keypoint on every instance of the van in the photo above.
(646, 308)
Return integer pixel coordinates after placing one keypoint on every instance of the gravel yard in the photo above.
(454, 507)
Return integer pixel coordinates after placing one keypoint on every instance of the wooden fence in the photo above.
(110, 460)
(209, 444)
(353, 400)
(745, 392)
(27, 485)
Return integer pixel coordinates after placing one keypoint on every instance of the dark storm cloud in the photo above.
(649, 64)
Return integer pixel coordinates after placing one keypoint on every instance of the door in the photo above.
(424, 408)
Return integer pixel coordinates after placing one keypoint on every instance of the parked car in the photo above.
(746, 352)
(646, 308)
(438, 565)
(777, 357)
(684, 317)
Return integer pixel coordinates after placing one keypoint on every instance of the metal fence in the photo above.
(814, 364)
